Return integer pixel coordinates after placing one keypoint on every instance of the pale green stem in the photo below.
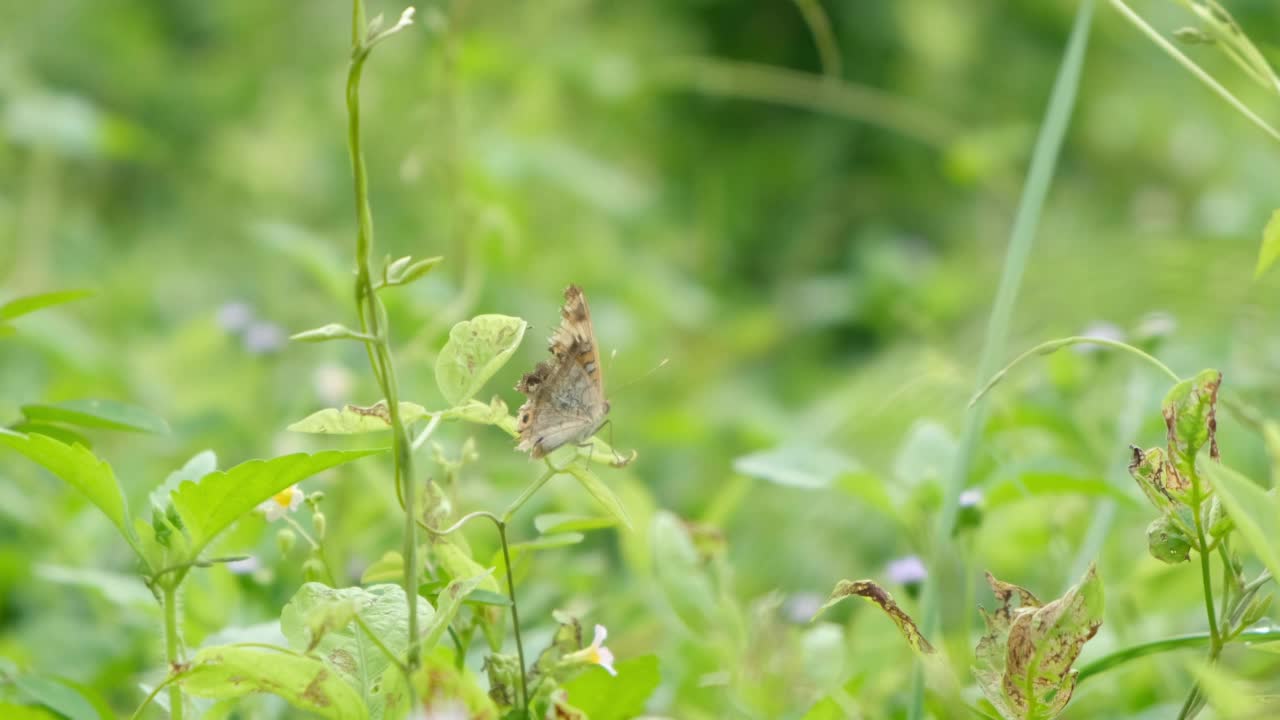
(1051, 346)
(823, 37)
(172, 648)
(1193, 68)
(1043, 161)
(528, 493)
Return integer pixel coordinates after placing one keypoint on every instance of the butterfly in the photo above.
(566, 393)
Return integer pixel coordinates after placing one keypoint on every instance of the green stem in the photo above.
(515, 616)
(1181, 642)
(1193, 702)
(1193, 68)
(372, 317)
(528, 493)
(1052, 346)
(1043, 161)
(171, 647)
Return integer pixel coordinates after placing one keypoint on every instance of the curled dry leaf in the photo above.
(872, 592)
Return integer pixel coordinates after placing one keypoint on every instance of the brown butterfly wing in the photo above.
(566, 393)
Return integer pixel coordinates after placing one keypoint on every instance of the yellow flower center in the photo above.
(284, 498)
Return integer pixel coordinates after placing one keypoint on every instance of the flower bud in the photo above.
(286, 539)
(1219, 521)
(313, 570)
(1258, 607)
(319, 522)
(1167, 542)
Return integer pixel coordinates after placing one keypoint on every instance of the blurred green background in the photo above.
(816, 258)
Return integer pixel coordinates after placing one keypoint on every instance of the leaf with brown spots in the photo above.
(873, 593)
(232, 671)
(1023, 662)
(1190, 416)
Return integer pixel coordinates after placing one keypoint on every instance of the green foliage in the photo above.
(1024, 660)
(477, 349)
(101, 414)
(601, 696)
(1255, 512)
(304, 682)
(321, 622)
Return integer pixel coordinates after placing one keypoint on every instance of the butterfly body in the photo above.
(566, 393)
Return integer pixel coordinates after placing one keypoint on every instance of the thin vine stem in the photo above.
(373, 322)
(172, 648)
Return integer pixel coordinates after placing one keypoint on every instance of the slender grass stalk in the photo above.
(823, 37)
(1155, 647)
(1193, 68)
(1052, 346)
(172, 647)
(373, 322)
(1043, 161)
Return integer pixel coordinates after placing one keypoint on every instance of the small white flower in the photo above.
(406, 19)
(970, 498)
(277, 505)
(596, 653)
(245, 566)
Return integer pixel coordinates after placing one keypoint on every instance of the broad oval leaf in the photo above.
(103, 414)
(353, 419)
(448, 603)
(231, 671)
(210, 505)
(477, 348)
(83, 470)
(796, 466)
(605, 697)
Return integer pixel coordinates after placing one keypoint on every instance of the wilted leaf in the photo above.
(477, 348)
(1190, 415)
(82, 470)
(320, 620)
(880, 597)
(1023, 662)
(354, 419)
(210, 505)
(304, 682)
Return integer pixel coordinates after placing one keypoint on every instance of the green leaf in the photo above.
(796, 466)
(319, 619)
(332, 331)
(64, 435)
(873, 593)
(402, 272)
(552, 523)
(477, 348)
(1255, 512)
(353, 419)
(104, 414)
(81, 469)
(31, 303)
(58, 696)
(448, 602)
(1270, 249)
(123, 590)
(605, 697)
(1190, 416)
(306, 683)
(209, 506)
(387, 568)
(601, 493)
(1039, 482)
(487, 597)
(201, 464)
(679, 573)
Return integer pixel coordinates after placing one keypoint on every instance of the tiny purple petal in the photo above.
(801, 607)
(235, 316)
(1104, 330)
(907, 570)
(262, 338)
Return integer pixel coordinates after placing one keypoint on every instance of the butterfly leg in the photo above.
(618, 459)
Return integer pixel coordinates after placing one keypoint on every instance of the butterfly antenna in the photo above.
(635, 380)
